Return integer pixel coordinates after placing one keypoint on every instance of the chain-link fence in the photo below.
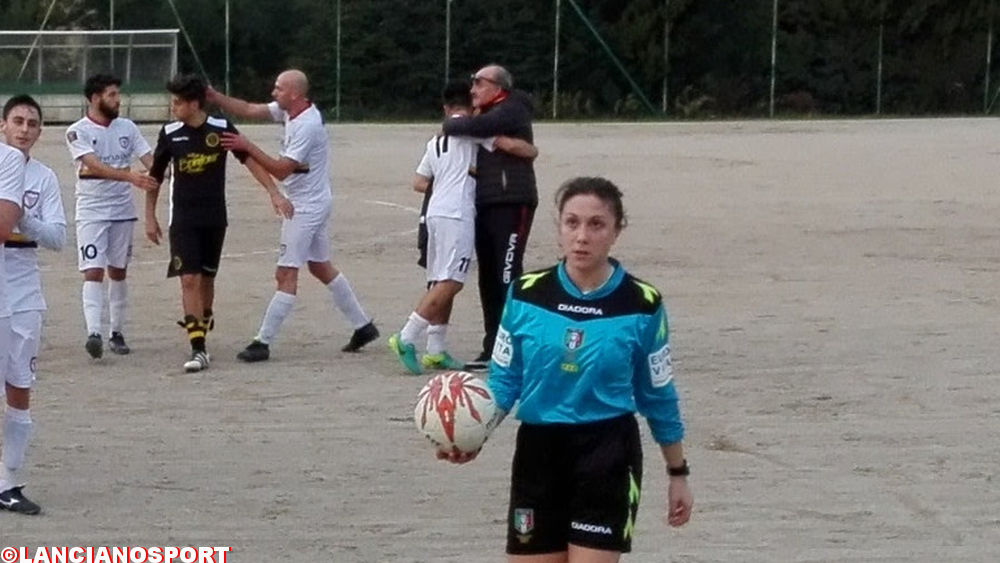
(376, 59)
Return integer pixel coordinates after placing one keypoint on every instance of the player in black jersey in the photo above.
(198, 203)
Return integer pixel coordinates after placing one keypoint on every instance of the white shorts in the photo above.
(25, 338)
(450, 244)
(100, 244)
(304, 238)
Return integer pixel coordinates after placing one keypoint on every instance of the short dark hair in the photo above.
(98, 83)
(456, 93)
(188, 87)
(601, 188)
(21, 100)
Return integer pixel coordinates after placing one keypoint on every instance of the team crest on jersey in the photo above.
(573, 339)
(124, 142)
(71, 136)
(212, 140)
(30, 199)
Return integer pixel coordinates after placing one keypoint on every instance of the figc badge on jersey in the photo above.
(573, 339)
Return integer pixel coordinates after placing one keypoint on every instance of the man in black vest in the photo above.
(506, 194)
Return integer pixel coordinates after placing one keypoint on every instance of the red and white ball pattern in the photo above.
(453, 411)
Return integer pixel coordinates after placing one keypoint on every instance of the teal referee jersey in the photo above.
(569, 357)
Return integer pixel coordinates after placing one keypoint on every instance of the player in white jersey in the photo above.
(103, 147)
(304, 169)
(15, 428)
(450, 162)
(43, 223)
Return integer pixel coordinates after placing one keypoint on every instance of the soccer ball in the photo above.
(453, 411)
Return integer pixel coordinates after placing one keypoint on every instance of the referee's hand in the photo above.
(679, 502)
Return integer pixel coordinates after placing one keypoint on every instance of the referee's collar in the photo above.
(606, 288)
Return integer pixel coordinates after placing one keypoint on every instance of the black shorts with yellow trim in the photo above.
(195, 249)
(575, 484)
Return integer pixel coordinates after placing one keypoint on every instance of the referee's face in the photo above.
(587, 231)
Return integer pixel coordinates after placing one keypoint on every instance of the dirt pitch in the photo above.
(833, 292)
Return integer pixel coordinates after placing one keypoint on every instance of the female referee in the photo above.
(582, 345)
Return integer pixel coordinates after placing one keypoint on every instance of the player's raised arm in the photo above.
(501, 119)
(282, 206)
(280, 168)
(237, 106)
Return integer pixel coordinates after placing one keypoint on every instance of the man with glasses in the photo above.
(506, 194)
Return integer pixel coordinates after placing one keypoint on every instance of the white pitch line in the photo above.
(391, 204)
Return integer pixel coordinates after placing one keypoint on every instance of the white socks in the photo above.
(279, 308)
(93, 304)
(347, 302)
(16, 434)
(282, 303)
(436, 339)
(117, 304)
(413, 329)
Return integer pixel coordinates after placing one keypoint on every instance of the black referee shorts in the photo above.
(575, 484)
(195, 249)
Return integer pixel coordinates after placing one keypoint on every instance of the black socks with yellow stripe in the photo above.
(196, 330)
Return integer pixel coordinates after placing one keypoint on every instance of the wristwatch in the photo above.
(683, 471)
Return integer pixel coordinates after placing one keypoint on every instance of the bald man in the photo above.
(303, 167)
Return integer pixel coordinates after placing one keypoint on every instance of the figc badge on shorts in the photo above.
(524, 523)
